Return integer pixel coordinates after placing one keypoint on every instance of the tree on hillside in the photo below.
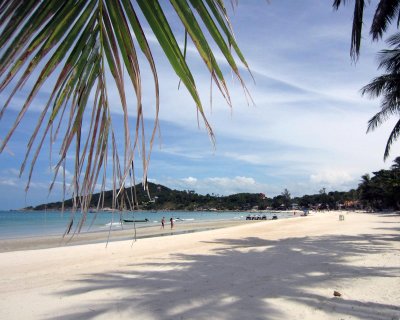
(286, 195)
(396, 165)
(395, 181)
(382, 190)
(282, 201)
(366, 190)
(80, 48)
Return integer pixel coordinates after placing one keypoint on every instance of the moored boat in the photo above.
(130, 220)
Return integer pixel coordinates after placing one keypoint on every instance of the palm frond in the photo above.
(392, 138)
(386, 86)
(394, 40)
(382, 85)
(379, 118)
(385, 12)
(389, 60)
(356, 32)
(336, 4)
(78, 41)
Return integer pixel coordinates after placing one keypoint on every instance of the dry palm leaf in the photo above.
(79, 42)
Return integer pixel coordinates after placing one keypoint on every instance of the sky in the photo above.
(305, 131)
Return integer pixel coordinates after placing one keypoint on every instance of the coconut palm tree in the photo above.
(367, 190)
(73, 46)
(386, 11)
(387, 86)
(396, 166)
(395, 181)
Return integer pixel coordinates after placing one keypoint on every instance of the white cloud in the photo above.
(237, 182)
(10, 177)
(39, 185)
(68, 175)
(11, 172)
(255, 158)
(332, 177)
(217, 185)
(190, 180)
(12, 182)
(180, 152)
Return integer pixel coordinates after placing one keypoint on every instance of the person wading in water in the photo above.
(162, 222)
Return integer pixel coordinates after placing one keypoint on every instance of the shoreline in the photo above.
(54, 241)
(20, 241)
(68, 210)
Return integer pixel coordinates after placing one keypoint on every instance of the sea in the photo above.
(22, 224)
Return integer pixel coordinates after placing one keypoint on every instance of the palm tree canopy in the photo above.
(387, 86)
(386, 11)
(79, 42)
(396, 165)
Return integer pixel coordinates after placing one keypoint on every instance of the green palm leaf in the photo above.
(394, 135)
(387, 86)
(78, 41)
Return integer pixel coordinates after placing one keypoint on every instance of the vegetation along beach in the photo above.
(199, 159)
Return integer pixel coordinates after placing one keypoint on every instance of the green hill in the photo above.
(379, 191)
(160, 197)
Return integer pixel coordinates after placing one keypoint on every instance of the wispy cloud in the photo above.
(332, 177)
(217, 185)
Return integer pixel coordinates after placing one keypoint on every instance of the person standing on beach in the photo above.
(162, 222)
(172, 223)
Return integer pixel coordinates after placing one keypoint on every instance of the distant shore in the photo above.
(169, 210)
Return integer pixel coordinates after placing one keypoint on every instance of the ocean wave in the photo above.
(113, 224)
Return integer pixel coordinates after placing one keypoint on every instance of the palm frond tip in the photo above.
(78, 42)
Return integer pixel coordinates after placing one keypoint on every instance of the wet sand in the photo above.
(43, 242)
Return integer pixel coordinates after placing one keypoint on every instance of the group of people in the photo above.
(171, 220)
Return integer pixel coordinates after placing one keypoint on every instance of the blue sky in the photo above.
(306, 130)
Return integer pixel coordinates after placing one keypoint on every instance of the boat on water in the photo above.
(256, 217)
(179, 219)
(130, 220)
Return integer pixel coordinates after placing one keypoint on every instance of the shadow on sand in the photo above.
(200, 286)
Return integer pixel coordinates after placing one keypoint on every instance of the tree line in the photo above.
(377, 191)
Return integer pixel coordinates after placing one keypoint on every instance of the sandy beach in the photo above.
(284, 269)
(43, 242)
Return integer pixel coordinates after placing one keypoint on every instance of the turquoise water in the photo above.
(18, 224)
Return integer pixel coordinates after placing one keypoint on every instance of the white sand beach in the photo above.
(284, 269)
